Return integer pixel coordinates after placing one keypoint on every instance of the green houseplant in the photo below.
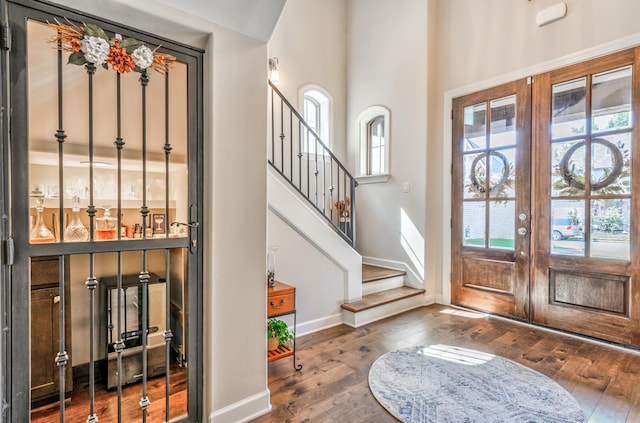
(278, 333)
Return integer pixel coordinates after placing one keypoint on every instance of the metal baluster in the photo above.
(167, 332)
(352, 225)
(144, 274)
(308, 166)
(331, 188)
(338, 210)
(119, 142)
(315, 171)
(119, 345)
(282, 136)
(299, 155)
(61, 357)
(290, 145)
(324, 182)
(273, 133)
(344, 185)
(92, 282)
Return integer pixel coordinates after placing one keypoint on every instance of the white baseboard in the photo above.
(244, 410)
(411, 278)
(432, 299)
(311, 326)
(440, 299)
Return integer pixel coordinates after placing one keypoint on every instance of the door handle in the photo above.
(56, 299)
(190, 224)
(522, 231)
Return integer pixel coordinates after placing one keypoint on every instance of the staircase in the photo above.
(313, 193)
(383, 294)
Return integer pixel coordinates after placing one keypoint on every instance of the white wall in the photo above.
(235, 377)
(387, 66)
(319, 281)
(310, 43)
(482, 44)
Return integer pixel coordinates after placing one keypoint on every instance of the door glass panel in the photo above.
(502, 224)
(569, 108)
(567, 222)
(568, 168)
(611, 100)
(503, 122)
(611, 164)
(475, 127)
(474, 224)
(475, 175)
(610, 227)
(503, 173)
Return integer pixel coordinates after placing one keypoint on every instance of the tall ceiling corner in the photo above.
(254, 18)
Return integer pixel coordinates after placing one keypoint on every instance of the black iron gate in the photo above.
(114, 294)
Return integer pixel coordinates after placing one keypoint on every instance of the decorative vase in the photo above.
(40, 232)
(272, 344)
(76, 231)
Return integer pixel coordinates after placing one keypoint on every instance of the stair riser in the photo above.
(382, 285)
(386, 310)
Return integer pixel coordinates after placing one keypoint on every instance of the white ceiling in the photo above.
(254, 18)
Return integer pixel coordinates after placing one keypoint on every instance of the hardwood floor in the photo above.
(106, 405)
(332, 386)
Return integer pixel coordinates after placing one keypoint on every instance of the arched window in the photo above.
(375, 146)
(316, 111)
(372, 132)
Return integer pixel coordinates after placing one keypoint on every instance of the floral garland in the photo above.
(90, 44)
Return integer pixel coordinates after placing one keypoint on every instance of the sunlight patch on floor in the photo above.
(459, 355)
(464, 313)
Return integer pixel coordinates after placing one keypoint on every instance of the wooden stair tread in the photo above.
(372, 273)
(383, 297)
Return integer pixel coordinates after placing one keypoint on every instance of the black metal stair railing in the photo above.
(298, 154)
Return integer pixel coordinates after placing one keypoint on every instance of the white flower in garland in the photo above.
(143, 57)
(95, 49)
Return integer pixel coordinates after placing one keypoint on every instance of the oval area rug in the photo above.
(442, 383)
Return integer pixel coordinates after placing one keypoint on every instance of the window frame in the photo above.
(363, 144)
(324, 101)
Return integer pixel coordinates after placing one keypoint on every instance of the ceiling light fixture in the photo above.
(274, 74)
(95, 163)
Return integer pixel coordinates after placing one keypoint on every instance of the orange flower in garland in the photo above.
(75, 45)
(119, 59)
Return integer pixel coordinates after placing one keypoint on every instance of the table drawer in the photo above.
(278, 304)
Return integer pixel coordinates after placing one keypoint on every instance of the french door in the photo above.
(582, 267)
(490, 210)
(104, 270)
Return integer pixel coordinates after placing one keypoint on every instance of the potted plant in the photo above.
(278, 333)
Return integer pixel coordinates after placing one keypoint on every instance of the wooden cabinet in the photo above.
(45, 329)
(281, 301)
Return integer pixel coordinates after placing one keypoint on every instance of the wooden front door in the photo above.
(491, 201)
(580, 271)
(585, 273)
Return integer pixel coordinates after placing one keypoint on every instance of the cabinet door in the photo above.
(45, 340)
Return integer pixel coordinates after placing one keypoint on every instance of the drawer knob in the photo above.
(282, 301)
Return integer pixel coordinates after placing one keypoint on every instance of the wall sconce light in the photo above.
(274, 74)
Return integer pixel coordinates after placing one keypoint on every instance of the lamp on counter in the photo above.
(274, 74)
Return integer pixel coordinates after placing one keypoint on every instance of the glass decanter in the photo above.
(76, 231)
(106, 226)
(40, 232)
